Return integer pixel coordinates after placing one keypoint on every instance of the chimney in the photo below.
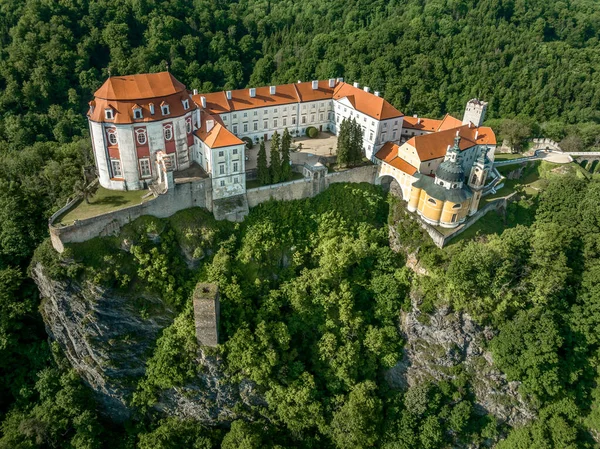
(356, 85)
(367, 89)
(418, 121)
(272, 90)
(203, 101)
(252, 92)
(457, 133)
(195, 91)
(377, 93)
(331, 82)
(415, 116)
(299, 81)
(476, 134)
(228, 93)
(448, 149)
(340, 80)
(210, 124)
(315, 84)
(151, 106)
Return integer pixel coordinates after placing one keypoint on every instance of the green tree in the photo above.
(344, 143)
(356, 143)
(286, 168)
(356, 423)
(264, 176)
(275, 159)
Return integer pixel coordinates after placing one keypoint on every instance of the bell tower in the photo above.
(477, 179)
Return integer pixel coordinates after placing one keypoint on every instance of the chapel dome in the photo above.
(450, 172)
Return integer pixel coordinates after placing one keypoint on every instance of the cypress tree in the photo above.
(356, 145)
(343, 143)
(264, 177)
(286, 169)
(275, 166)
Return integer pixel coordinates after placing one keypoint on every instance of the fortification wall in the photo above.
(287, 191)
(182, 196)
(442, 240)
(368, 173)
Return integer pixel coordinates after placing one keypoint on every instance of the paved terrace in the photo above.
(324, 144)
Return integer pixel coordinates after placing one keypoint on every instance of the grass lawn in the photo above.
(506, 156)
(255, 182)
(103, 201)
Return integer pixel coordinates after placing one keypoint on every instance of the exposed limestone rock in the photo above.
(450, 342)
(108, 339)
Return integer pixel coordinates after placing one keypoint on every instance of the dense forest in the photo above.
(535, 62)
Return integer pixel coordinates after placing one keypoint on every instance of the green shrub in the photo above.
(312, 132)
(248, 142)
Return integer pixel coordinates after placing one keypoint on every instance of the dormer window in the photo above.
(137, 112)
(186, 104)
(109, 114)
(164, 109)
(151, 106)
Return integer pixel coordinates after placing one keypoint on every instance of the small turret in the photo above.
(450, 173)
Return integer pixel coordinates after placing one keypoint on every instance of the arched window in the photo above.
(188, 125)
(141, 136)
(432, 201)
(112, 136)
(456, 206)
(168, 130)
(474, 179)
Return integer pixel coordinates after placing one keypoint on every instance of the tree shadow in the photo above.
(112, 200)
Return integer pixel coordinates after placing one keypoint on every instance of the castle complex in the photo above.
(147, 127)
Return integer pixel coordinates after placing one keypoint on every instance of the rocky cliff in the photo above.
(108, 338)
(440, 345)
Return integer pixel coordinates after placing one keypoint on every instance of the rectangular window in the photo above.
(303, 119)
(236, 180)
(275, 123)
(265, 124)
(245, 114)
(221, 153)
(284, 109)
(222, 183)
(384, 125)
(255, 113)
(234, 129)
(394, 135)
(284, 121)
(222, 169)
(293, 120)
(275, 111)
(234, 151)
(234, 116)
(116, 168)
(235, 166)
(312, 118)
(245, 127)
(371, 136)
(145, 168)
(108, 114)
(320, 117)
(255, 126)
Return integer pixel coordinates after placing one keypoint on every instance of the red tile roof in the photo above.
(122, 94)
(431, 125)
(368, 103)
(139, 87)
(218, 136)
(435, 145)
(389, 154)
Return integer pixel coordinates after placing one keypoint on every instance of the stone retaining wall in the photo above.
(182, 196)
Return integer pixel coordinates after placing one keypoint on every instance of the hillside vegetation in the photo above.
(535, 61)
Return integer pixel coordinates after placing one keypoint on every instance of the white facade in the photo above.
(126, 153)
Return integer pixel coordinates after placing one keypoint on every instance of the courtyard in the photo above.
(308, 150)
